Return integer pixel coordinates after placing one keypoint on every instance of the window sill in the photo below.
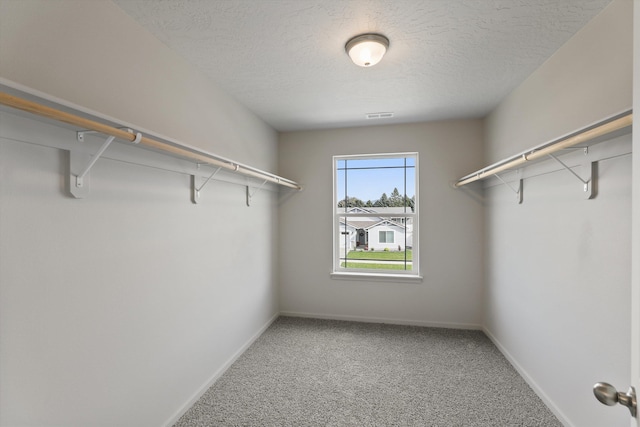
(369, 277)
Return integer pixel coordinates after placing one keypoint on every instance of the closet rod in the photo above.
(552, 147)
(192, 154)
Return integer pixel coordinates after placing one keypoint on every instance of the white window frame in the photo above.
(339, 272)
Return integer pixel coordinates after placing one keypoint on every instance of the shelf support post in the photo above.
(79, 183)
(195, 190)
(588, 169)
(94, 159)
(249, 195)
(518, 191)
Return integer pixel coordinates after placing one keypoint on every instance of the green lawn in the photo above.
(377, 266)
(380, 255)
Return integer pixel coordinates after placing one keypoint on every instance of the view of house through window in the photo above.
(376, 213)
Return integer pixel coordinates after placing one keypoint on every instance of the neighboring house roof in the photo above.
(391, 210)
(360, 224)
(359, 210)
(383, 210)
(386, 221)
(367, 225)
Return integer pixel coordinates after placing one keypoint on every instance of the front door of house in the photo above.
(361, 239)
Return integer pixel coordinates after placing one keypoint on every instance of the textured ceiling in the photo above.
(285, 59)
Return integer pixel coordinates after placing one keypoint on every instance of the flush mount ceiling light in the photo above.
(366, 50)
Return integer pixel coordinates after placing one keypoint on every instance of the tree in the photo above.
(383, 201)
(396, 200)
(410, 202)
(351, 202)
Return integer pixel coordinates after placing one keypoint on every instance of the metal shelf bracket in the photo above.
(249, 195)
(588, 174)
(79, 183)
(195, 190)
(518, 191)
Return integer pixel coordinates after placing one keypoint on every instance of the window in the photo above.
(376, 214)
(386, 237)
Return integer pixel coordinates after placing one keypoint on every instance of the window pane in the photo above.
(376, 182)
(375, 243)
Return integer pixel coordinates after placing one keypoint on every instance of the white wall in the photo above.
(91, 53)
(558, 266)
(117, 309)
(586, 80)
(451, 227)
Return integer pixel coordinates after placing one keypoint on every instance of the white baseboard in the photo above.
(409, 322)
(524, 374)
(198, 394)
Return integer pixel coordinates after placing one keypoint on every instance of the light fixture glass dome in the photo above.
(366, 50)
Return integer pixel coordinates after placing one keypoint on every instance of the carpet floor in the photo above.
(309, 372)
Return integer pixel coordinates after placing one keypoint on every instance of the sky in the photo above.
(367, 179)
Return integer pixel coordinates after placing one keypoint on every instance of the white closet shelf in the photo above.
(581, 138)
(85, 121)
